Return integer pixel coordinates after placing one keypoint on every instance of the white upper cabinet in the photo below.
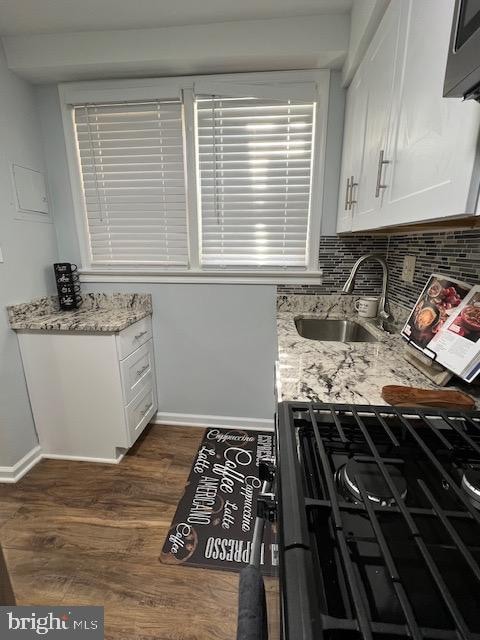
(434, 139)
(353, 145)
(419, 148)
(378, 73)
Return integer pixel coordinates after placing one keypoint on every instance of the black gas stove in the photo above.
(379, 520)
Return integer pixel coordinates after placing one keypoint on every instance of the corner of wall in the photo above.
(53, 141)
(333, 154)
(29, 248)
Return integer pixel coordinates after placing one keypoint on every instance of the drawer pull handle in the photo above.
(146, 410)
(140, 335)
(142, 370)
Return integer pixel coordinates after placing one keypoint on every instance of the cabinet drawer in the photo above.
(133, 337)
(135, 369)
(140, 410)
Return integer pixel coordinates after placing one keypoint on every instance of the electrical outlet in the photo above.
(408, 270)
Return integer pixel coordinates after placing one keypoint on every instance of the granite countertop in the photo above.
(99, 313)
(350, 373)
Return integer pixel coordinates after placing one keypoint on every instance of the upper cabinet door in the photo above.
(379, 68)
(352, 156)
(434, 139)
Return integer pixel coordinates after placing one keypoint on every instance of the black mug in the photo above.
(66, 278)
(68, 301)
(64, 267)
(68, 289)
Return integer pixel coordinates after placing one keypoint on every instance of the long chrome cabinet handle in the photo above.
(381, 162)
(347, 195)
(352, 185)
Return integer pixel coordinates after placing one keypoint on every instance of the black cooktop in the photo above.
(379, 521)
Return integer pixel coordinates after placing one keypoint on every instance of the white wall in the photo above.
(333, 154)
(364, 20)
(29, 248)
(302, 42)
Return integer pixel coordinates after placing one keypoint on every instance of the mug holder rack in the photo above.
(68, 287)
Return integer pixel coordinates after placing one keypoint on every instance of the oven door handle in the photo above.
(252, 605)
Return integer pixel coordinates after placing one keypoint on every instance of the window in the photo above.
(214, 175)
(255, 159)
(131, 159)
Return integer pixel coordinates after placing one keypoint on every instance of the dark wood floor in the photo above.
(82, 533)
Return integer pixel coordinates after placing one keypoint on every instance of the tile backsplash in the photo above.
(456, 253)
(337, 255)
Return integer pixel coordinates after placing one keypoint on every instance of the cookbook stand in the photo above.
(432, 358)
(427, 364)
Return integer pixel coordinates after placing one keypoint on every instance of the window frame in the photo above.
(183, 88)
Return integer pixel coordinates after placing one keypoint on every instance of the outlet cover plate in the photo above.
(408, 270)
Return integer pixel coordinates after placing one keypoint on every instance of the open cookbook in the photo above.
(445, 325)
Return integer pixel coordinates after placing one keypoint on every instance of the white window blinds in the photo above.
(132, 166)
(255, 165)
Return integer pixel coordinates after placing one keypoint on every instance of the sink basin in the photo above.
(332, 330)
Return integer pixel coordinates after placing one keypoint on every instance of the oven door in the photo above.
(462, 75)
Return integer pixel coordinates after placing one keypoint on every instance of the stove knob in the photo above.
(266, 469)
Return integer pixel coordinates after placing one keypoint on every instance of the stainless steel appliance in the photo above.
(462, 75)
(379, 521)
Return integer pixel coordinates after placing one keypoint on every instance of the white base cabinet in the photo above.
(417, 160)
(92, 394)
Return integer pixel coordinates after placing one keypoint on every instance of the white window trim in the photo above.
(183, 87)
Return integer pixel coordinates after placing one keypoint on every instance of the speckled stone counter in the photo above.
(99, 313)
(354, 372)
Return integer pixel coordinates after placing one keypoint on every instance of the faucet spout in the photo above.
(383, 306)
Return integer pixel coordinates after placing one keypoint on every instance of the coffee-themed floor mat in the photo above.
(214, 522)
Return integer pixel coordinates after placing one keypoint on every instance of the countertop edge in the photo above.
(83, 327)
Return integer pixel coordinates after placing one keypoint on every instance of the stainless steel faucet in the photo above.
(383, 306)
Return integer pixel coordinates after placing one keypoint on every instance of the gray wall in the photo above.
(29, 248)
(215, 347)
(48, 105)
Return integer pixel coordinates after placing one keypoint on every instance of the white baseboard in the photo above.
(18, 470)
(225, 422)
(57, 456)
(13, 474)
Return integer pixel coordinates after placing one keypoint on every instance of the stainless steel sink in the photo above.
(332, 330)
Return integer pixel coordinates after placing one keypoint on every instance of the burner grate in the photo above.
(440, 443)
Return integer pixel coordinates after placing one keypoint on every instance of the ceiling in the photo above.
(19, 17)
